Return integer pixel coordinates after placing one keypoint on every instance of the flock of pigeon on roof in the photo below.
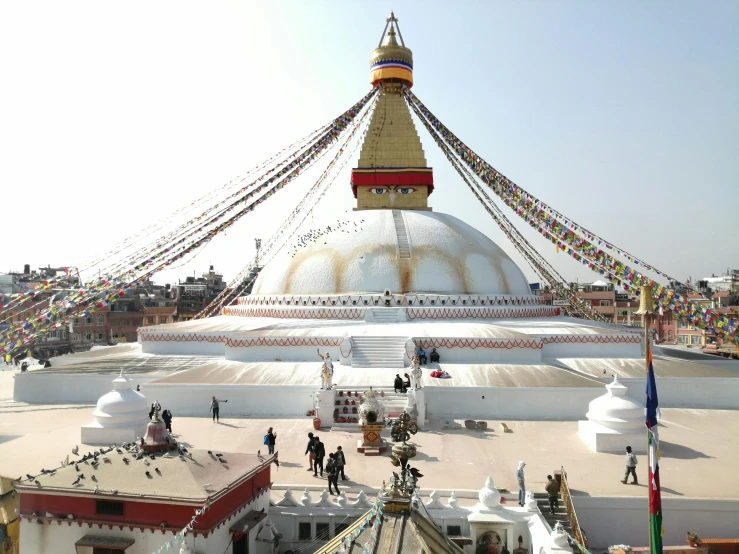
(306, 239)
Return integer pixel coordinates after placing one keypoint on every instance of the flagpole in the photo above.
(646, 306)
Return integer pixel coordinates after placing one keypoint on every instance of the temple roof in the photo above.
(404, 532)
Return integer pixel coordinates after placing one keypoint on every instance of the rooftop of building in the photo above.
(194, 477)
(699, 450)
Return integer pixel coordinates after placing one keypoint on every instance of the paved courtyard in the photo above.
(700, 450)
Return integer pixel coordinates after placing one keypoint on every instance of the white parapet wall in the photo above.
(529, 403)
(66, 388)
(627, 519)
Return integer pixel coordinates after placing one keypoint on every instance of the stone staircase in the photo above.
(393, 403)
(401, 234)
(381, 352)
(384, 315)
(560, 514)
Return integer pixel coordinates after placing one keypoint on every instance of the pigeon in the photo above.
(34, 514)
(259, 453)
(417, 474)
(276, 461)
(146, 462)
(261, 511)
(106, 460)
(76, 450)
(95, 490)
(222, 460)
(82, 476)
(40, 521)
(76, 467)
(219, 455)
(70, 516)
(94, 478)
(153, 457)
(75, 481)
(113, 491)
(210, 452)
(126, 460)
(206, 486)
(148, 474)
(37, 482)
(49, 514)
(157, 470)
(43, 472)
(29, 476)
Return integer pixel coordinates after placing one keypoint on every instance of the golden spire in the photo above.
(390, 61)
(392, 171)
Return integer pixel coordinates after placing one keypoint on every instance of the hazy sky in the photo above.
(622, 115)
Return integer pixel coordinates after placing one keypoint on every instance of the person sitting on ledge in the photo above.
(421, 353)
(398, 386)
(435, 358)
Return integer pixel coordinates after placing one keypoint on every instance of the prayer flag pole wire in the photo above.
(244, 278)
(539, 217)
(22, 335)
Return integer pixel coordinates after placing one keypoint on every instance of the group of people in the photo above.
(316, 452)
(421, 353)
(551, 488)
(400, 385)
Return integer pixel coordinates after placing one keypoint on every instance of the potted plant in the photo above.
(341, 393)
(354, 410)
(346, 410)
(346, 402)
(348, 393)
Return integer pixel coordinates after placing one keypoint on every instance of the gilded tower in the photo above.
(392, 171)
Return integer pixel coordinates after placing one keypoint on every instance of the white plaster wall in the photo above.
(52, 537)
(698, 393)
(511, 403)
(285, 353)
(243, 400)
(608, 521)
(540, 533)
(592, 350)
(189, 348)
(49, 388)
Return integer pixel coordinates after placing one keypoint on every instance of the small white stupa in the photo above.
(615, 421)
(120, 415)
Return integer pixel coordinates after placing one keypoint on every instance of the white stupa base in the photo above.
(97, 435)
(602, 439)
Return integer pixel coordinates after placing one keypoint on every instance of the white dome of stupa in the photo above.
(614, 410)
(366, 252)
(122, 407)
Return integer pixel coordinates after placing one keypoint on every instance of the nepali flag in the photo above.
(655, 497)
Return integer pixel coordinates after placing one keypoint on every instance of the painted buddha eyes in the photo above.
(399, 190)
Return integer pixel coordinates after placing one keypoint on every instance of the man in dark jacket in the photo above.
(398, 383)
(320, 452)
(552, 488)
(310, 451)
(340, 462)
(271, 439)
(333, 474)
(167, 419)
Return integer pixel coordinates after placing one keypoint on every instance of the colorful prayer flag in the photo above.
(655, 496)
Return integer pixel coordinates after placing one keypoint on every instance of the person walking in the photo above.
(215, 408)
(310, 451)
(332, 470)
(270, 439)
(398, 383)
(552, 488)
(631, 462)
(320, 452)
(521, 483)
(167, 419)
(340, 462)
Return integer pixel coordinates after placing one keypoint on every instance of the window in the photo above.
(88, 321)
(77, 337)
(105, 508)
(623, 313)
(101, 319)
(98, 550)
(304, 531)
(605, 302)
(454, 530)
(682, 339)
(162, 319)
(100, 335)
(339, 528)
(695, 339)
(322, 530)
(88, 336)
